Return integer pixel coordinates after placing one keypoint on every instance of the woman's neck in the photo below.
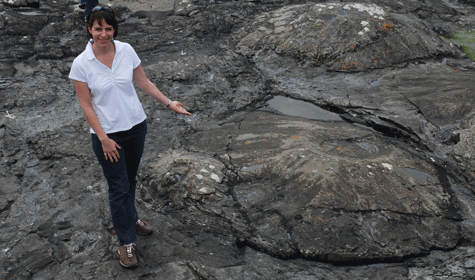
(98, 50)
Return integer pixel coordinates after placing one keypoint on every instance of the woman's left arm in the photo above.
(149, 88)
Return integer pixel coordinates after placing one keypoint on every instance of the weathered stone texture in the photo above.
(381, 187)
(341, 37)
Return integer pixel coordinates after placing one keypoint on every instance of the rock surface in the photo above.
(329, 140)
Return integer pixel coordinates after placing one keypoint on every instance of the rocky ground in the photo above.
(329, 140)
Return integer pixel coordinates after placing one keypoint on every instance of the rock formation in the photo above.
(329, 140)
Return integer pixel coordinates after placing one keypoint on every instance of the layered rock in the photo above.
(259, 183)
(340, 37)
(324, 190)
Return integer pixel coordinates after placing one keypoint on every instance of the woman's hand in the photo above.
(144, 83)
(178, 107)
(110, 147)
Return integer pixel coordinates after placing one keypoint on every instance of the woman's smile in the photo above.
(102, 33)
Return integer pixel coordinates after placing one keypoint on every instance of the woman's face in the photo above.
(102, 34)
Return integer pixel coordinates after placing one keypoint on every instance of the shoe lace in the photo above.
(130, 248)
(140, 223)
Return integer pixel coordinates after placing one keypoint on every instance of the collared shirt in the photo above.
(114, 98)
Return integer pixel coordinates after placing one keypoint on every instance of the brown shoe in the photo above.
(143, 228)
(127, 256)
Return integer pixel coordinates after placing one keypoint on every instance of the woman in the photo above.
(103, 78)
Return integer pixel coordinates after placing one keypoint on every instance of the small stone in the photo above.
(215, 177)
(206, 190)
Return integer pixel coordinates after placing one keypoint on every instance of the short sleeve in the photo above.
(135, 58)
(77, 72)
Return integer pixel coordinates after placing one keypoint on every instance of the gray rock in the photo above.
(341, 37)
(22, 3)
(261, 182)
(328, 190)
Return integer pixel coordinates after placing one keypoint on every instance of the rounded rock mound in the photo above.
(341, 36)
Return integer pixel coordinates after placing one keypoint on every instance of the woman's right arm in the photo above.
(109, 146)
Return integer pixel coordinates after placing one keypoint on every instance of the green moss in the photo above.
(467, 40)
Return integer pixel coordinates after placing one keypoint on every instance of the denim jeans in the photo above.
(90, 4)
(121, 177)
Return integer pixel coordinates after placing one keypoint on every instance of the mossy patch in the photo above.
(467, 40)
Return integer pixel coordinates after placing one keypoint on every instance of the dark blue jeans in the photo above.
(121, 177)
(90, 4)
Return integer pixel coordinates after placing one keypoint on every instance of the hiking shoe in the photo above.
(127, 256)
(143, 228)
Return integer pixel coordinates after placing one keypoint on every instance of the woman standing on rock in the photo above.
(103, 77)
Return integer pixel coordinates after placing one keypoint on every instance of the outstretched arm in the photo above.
(149, 88)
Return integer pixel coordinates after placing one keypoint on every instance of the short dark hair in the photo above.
(107, 14)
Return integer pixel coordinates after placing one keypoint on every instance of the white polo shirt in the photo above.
(114, 98)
